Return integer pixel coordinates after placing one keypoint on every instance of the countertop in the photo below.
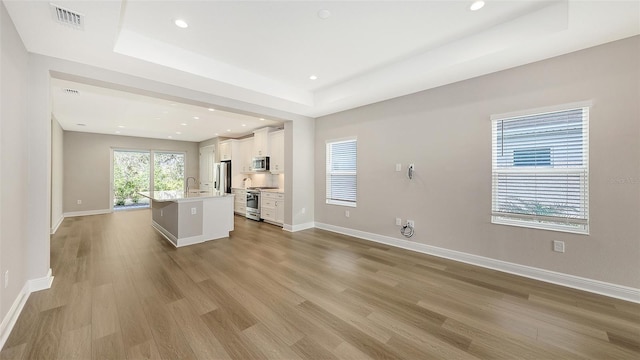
(273, 190)
(263, 190)
(181, 195)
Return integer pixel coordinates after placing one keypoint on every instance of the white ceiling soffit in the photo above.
(264, 52)
(97, 109)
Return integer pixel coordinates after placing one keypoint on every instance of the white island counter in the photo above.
(191, 218)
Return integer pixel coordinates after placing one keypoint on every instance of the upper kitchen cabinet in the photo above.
(261, 141)
(276, 144)
(245, 147)
(227, 148)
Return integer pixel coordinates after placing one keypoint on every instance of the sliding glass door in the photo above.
(131, 174)
(168, 171)
(135, 171)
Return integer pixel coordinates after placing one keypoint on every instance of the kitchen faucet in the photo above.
(194, 181)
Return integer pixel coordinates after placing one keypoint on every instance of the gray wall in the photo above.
(57, 173)
(446, 132)
(13, 162)
(87, 164)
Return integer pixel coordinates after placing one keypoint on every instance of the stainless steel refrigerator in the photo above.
(222, 176)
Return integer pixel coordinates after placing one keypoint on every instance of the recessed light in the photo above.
(81, 124)
(181, 24)
(228, 130)
(477, 5)
(324, 14)
(178, 133)
(261, 119)
(217, 134)
(196, 118)
(121, 126)
(244, 125)
(117, 132)
(212, 109)
(184, 124)
(313, 77)
(170, 137)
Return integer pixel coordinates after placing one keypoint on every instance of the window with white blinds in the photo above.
(541, 170)
(341, 172)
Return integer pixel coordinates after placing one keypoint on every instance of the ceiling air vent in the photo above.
(67, 17)
(71, 91)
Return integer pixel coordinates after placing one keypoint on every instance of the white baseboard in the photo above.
(42, 283)
(165, 233)
(571, 281)
(86, 213)
(55, 227)
(299, 227)
(11, 317)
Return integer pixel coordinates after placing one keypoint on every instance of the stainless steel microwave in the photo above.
(260, 163)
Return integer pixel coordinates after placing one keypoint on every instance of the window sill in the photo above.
(574, 229)
(341, 203)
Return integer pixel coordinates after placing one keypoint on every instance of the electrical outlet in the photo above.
(398, 221)
(79, 202)
(411, 223)
(6, 279)
(398, 167)
(558, 246)
(346, 213)
(193, 211)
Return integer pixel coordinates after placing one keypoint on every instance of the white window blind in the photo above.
(341, 172)
(541, 171)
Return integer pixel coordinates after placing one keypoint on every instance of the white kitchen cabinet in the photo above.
(276, 143)
(226, 149)
(280, 209)
(240, 201)
(207, 159)
(261, 141)
(245, 147)
(272, 207)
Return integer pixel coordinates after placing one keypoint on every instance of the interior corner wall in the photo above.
(299, 174)
(14, 71)
(87, 166)
(57, 173)
(446, 132)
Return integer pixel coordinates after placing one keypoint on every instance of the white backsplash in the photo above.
(266, 180)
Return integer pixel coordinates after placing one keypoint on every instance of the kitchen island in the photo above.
(191, 218)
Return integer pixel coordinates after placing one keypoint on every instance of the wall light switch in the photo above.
(346, 213)
(79, 202)
(193, 211)
(398, 167)
(398, 221)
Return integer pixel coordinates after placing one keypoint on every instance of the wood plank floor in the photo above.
(123, 292)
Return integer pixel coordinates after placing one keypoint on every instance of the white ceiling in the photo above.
(263, 52)
(95, 109)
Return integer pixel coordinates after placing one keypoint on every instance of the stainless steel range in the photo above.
(253, 202)
(253, 205)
